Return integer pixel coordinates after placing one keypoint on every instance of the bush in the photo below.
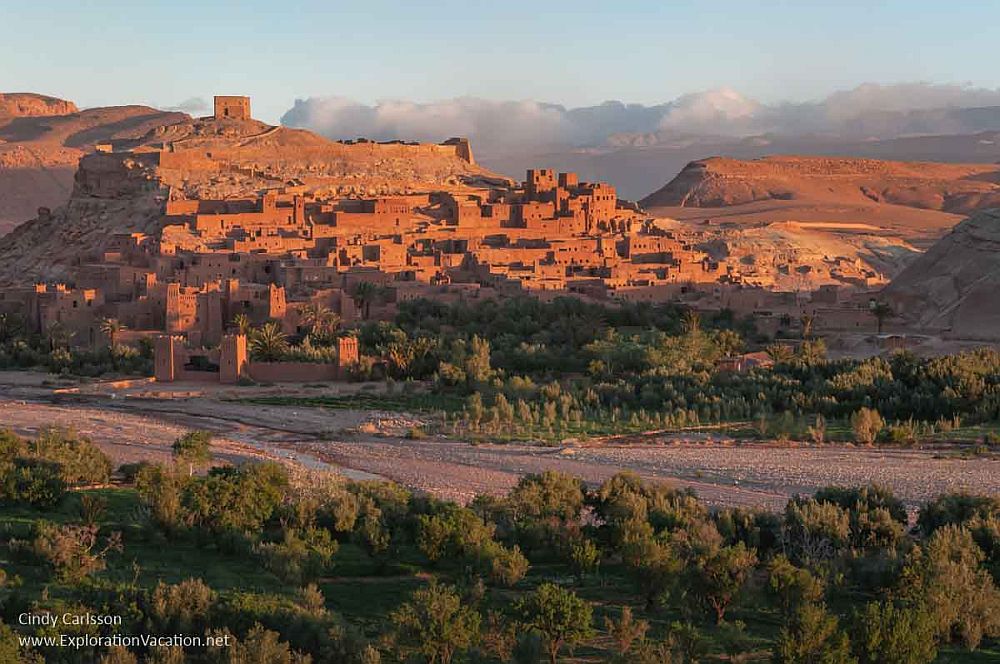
(558, 615)
(887, 633)
(301, 557)
(72, 550)
(81, 461)
(181, 608)
(31, 481)
(866, 425)
(436, 625)
(813, 636)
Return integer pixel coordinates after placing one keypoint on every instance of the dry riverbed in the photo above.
(366, 444)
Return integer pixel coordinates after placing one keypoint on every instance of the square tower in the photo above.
(233, 108)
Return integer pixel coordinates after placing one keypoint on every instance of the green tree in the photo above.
(881, 311)
(792, 586)
(111, 328)
(241, 323)
(584, 557)
(477, 362)
(813, 636)
(558, 615)
(268, 343)
(946, 576)
(365, 294)
(436, 624)
(890, 634)
(627, 631)
(720, 575)
(194, 447)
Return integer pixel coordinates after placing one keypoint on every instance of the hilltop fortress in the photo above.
(199, 222)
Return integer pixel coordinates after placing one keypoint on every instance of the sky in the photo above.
(165, 53)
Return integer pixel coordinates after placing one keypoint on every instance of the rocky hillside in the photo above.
(124, 191)
(28, 104)
(723, 182)
(953, 287)
(42, 139)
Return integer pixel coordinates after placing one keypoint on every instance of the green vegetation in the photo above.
(521, 369)
(53, 350)
(317, 569)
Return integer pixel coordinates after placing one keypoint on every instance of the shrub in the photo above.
(813, 636)
(888, 633)
(301, 557)
(31, 481)
(866, 424)
(72, 550)
(584, 558)
(180, 608)
(81, 461)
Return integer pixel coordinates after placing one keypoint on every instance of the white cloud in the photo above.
(513, 126)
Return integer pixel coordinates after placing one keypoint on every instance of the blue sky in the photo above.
(578, 53)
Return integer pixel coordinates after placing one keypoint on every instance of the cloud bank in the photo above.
(869, 110)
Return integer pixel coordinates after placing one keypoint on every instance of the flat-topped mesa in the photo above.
(29, 104)
(725, 182)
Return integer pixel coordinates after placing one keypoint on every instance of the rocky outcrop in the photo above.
(42, 139)
(953, 288)
(29, 104)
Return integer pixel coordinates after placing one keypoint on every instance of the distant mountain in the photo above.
(721, 182)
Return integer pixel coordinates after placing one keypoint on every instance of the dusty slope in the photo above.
(722, 182)
(42, 139)
(953, 287)
(125, 191)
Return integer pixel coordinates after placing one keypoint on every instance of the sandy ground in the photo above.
(370, 444)
(129, 425)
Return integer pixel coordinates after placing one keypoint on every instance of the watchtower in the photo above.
(233, 108)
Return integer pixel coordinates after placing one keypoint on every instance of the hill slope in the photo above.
(720, 182)
(42, 139)
(953, 287)
(124, 191)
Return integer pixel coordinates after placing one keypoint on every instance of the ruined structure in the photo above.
(232, 108)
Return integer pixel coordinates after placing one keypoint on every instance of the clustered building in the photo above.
(267, 256)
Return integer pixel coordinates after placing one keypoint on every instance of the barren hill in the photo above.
(42, 139)
(953, 287)
(123, 187)
(28, 104)
(720, 182)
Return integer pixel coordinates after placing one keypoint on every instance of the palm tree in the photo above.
(242, 324)
(59, 336)
(807, 325)
(319, 320)
(881, 311)
(364, 294)
(268, 342)
(691, 322)
(111, 327)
